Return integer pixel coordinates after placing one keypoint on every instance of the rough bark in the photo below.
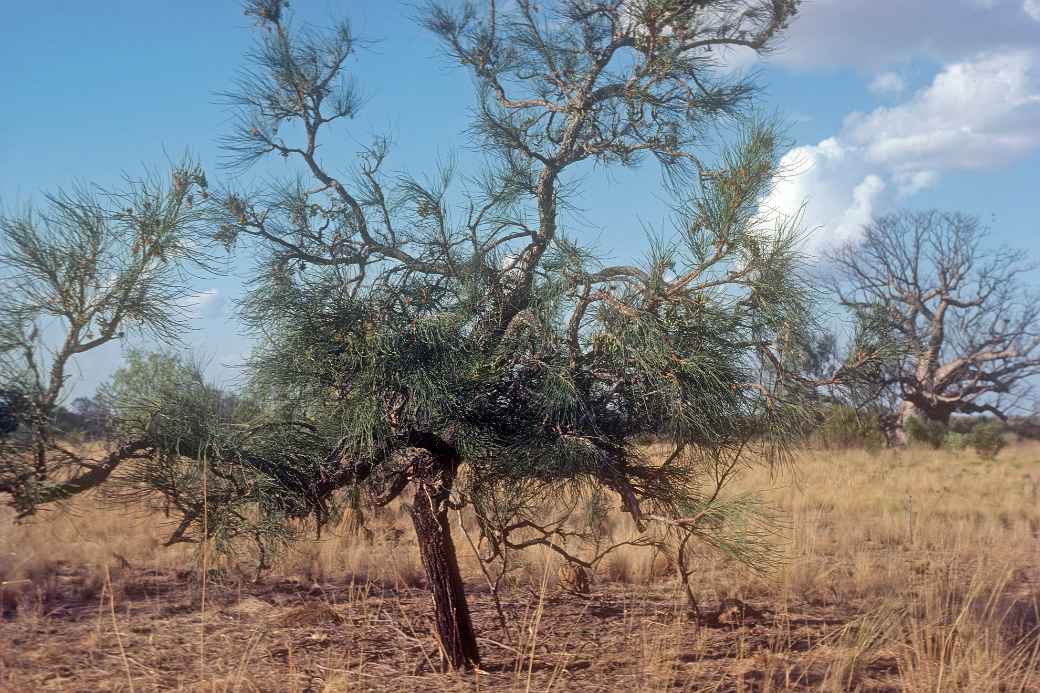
(429, 513)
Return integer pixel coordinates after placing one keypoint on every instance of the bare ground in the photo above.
(286, 636)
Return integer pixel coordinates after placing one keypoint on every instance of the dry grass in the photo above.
(904, 571)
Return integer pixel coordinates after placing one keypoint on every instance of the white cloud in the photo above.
(887, 83)
(839, 193)
(910, 182)
(875, 34)
(977, 114)
(736, 59)
(1032, 8)
(204, 304)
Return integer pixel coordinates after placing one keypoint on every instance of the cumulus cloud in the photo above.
(887, 83)
(875, 34)
(1032, 8)
(204, 304)
(839, 194)
(977, 114)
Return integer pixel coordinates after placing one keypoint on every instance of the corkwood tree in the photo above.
(449, 341)
(445, 340)
(962, 310)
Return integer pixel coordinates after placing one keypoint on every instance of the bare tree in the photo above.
(968, 323)
(78, 273)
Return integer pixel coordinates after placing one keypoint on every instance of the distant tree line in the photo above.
(86, 418)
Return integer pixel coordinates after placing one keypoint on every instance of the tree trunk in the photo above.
(429, 513)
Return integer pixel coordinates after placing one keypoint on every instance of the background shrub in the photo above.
(955, 442)
(987, 438)
(844, 427)
(926, 432)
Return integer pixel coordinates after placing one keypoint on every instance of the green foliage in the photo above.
(955, 441)
(1025, 427)
(987, 438)
(963, 424)
(449, 318)
(84, 269)
(844, 427)
(134, 390)
(100, 263)
(925, 431)
(443, 334)
(220, 463)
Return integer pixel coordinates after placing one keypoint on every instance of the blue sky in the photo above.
(934, 103)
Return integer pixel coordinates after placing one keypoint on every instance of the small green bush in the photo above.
(962, 424)
(926, 432)
(955, 442)
(844, 427)
(988, 439)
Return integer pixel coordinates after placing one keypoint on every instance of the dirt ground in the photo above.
(284, 635)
